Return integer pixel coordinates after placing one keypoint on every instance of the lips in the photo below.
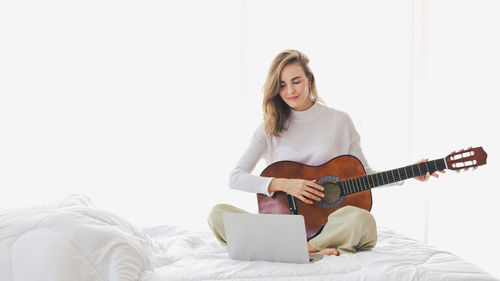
(292, 98)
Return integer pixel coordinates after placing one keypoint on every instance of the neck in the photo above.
(309, 103)
(358, 184)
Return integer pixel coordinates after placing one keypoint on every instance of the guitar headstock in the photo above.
(466, 158)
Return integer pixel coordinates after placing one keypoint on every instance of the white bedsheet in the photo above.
(73, 240)
(196, 255)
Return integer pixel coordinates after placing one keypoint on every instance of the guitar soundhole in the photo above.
(332, 192)
(333, 197)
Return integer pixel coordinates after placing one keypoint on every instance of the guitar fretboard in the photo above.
(363, 183)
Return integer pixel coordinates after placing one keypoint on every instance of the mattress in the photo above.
(71, 239)
(196, 255)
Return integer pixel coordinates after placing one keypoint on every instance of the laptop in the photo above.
(268, 237)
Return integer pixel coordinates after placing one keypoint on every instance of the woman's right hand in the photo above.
(305, 190)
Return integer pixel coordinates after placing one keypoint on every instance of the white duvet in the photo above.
(73, 240)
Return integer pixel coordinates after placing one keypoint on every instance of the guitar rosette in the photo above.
(333, 197)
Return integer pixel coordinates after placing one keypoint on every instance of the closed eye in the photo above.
(295, 80)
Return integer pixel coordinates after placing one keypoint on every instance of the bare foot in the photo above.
(325, 251)
(329, 252)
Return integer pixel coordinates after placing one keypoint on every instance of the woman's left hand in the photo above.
(428, 175)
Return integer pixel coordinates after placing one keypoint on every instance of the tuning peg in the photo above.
(466, 169)
(475, 168)
(470, 148)
(458, 171)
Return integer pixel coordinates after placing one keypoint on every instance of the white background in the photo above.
(146, 106)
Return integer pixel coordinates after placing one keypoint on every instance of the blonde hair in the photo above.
(276, 111)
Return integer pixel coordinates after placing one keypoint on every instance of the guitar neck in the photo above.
(363, 183)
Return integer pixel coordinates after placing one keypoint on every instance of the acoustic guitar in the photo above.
(346, 183)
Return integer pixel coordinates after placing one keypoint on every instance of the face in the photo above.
(294, 87)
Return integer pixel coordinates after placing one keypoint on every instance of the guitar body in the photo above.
(315, 216)
(346, 183)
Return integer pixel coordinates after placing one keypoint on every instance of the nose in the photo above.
(290, 90)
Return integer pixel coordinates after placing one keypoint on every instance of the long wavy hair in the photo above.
(276, 111)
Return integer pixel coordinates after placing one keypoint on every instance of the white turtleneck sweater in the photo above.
(314, 136)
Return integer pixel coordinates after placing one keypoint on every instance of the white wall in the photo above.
(463, 88)
(145, 106)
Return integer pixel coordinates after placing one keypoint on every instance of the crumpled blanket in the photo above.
(72, 240)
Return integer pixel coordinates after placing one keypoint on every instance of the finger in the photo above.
(314, 190)
(313, 196)
(315, 185)
(305, 199)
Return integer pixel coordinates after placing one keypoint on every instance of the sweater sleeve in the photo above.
(240, 177)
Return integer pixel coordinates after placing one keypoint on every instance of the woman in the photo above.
(298, 127)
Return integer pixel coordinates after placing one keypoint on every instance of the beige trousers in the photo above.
(349, 229)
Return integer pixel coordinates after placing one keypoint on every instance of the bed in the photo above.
(73, 240)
